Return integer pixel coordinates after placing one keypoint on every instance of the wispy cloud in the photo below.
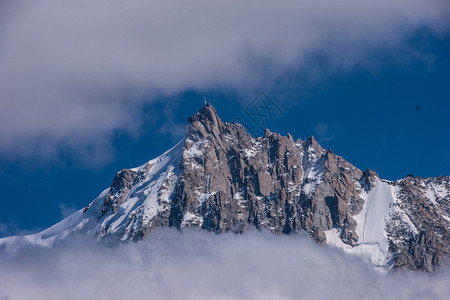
(66, 209)
(73, 73)
(200, 265)
(326, 132)
(9, 228)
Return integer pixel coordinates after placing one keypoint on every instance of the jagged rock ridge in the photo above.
(221, 179)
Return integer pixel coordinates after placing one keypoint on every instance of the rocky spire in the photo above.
(311, 142)
(205, 122)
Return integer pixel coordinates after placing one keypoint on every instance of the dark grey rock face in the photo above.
(230, 180)
(120, 188)
(427, 203)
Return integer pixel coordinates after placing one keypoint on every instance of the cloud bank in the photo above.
(199, 265)
(74, 73)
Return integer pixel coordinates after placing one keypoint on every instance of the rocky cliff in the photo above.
(221, 179)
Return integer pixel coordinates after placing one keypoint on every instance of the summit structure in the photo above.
(221, 179)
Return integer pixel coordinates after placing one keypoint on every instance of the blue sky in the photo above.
(374, 88)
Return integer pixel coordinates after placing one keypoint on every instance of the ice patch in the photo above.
(238, 196)
(249, 153)
(195, 150)
(191, 220)
(313, 173)
(202, 197)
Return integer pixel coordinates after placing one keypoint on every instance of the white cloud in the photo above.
(326, 132)
(200, 265)
(10, 228)
(66, 209)
(72, 73)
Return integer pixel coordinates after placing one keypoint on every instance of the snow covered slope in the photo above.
(373, 242)
(119, 212)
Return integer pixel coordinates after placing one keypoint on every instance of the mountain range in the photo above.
(221, 179)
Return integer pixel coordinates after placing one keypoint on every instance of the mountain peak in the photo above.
(219, 178)
(205, 122)
(311, 142)
(206, 111)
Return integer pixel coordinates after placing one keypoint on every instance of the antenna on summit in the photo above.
(204, 99)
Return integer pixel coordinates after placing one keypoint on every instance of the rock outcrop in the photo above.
(230, 181)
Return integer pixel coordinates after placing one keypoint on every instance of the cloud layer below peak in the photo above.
(200, 265)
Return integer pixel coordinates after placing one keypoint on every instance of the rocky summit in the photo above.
(221, 179)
